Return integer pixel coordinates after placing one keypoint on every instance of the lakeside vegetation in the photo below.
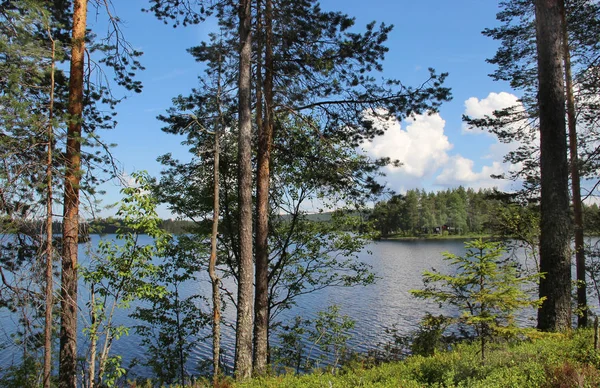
(544, 360)
(551, 360)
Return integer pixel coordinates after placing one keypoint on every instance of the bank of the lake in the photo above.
(436, 237)
(549, 360)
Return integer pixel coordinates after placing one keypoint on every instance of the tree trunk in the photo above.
(555, 263)
(243, 345)
(68, 327)
(216, 299)
(179, 338)
(212, 265)
(265, 137)
(49, 233)
(93, 339)
(582, 311)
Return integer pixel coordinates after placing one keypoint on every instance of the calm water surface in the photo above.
(398, 266)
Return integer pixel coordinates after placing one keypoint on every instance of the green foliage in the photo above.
(171, 323)
(485, 288)
(121, 272)
(395, 347)
(329, 332)
(290, 352)
(320, 255)
(26, 374)
(455, 211)
(429, 338)
(113, 372)
(546, 360)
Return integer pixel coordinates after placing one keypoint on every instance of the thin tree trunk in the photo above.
(108, 338)
(265, 136)
(93, 339)
(216, 299)
(49, 233)
(582, 310)
(68, 328)
(243, 345)
(555, 225)
(212, 265)
(179, 338)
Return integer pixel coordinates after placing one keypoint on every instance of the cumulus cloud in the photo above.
(422, 147)
(478, 109)
(459, 171)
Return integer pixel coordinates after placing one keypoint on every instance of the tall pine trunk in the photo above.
(265, 138)
(48, 322)
(243, 341)
(582, 317)
(68, 326)
(555, 263)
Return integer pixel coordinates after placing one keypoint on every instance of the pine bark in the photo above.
(68, 328)
(555, 225)
(243, 348)
(582, 311)
(265, 139)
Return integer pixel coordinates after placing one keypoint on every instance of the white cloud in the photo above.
(478, 109)
(459, 171)
(422, 147)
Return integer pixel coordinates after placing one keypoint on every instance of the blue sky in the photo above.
(437, 151)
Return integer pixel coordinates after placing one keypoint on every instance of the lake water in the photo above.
(398, 266)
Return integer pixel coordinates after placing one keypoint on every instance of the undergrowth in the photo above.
(544, 360)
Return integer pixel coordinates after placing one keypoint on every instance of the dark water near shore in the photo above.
(398, 266)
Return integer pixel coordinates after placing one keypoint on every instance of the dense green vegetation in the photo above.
(546, 360)
(461, 212)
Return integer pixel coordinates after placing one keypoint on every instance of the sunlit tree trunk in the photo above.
(243, 348)
(68, 327)
(582, 317)
(555, 263)
(215, 281)
(212, 265)
(49, 233)
(265, 139)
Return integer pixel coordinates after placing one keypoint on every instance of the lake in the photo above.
(398, 266)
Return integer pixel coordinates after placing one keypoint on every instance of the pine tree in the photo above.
(555, 225)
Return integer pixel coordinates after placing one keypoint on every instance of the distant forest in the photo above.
(459, 211)
(416, 213)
